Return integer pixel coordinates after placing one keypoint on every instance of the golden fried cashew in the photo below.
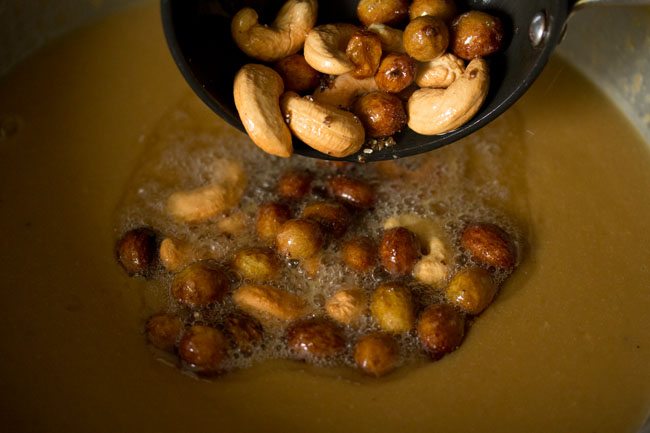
(266, 302)
(234, 225)
(175, 255)
(432, 268)
(257, 93)
(325, 48)
(392, 40)
(222, 194)
(326, 128)
(344, 89)
(440, 72)
(284, 37)
(436, 111)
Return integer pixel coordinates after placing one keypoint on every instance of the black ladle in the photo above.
(198, 34)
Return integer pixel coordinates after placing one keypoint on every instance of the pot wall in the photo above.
(621, 64)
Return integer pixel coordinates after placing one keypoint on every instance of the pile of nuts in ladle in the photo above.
(361, 83)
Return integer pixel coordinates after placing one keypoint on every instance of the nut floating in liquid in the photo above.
(204, 348)
(199, 285)
(270, 217)
(244, 332)
(472, 290)
(163, 331)
(440, 329)
(299, 238)
(355, 192)
(392, 307)
(376, 354)
(399, 250)
(332, 216)
(294, 184)
(489, 245)
(315, 339)
(359, 254)
(266, 303)
(256, 264)
(137, 251)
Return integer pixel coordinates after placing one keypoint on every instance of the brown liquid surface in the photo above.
(565, 346)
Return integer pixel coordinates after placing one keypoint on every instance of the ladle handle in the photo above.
(579, 4)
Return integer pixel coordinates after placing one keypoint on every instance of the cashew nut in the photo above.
(440, 72)
(325, 48)
(223, 193)
(234, 225)
(284, 37)
(433, 268)
(175, 255)
(327, 129)
(392, 40)
(257, 93)
(344, 89)
(267, 302)
(436, 111)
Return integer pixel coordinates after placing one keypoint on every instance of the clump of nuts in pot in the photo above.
(417, 47)
(406, 289)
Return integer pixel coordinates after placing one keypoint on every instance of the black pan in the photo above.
(198, 34)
